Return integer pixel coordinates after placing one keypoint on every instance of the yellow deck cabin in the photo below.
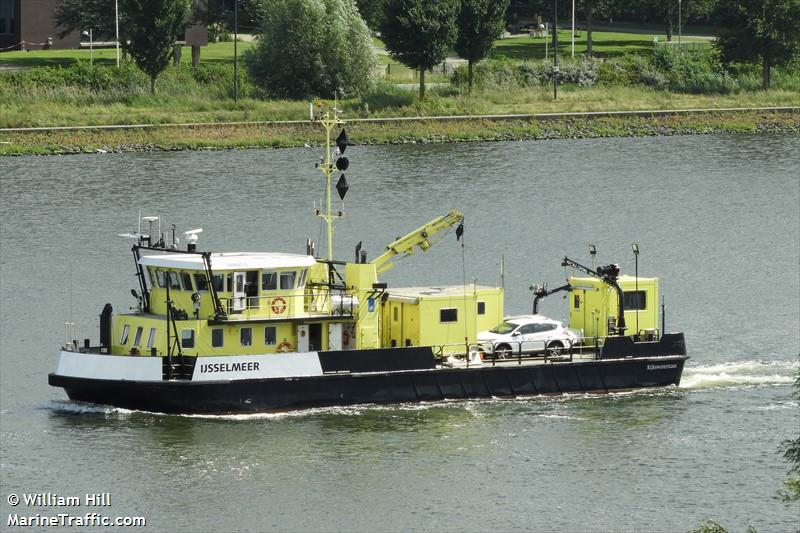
(439, 316)
(593, 305)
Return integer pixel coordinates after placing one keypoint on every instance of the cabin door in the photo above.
(239, 295)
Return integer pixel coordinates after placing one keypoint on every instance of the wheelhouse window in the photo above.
(287, 280)
(217, 337)
(151, 339)
(448, 315)
(301, 282)
(269, 281)
(218, 281)
(635, 300)
(161, 277)
(246, 336)
(186, 281)
(201, 282)
(187, 338)
(174, 282)
(576, 301)
(481, 308)
(123, 339)
(153, 279)
(270, 335)
(137, 338)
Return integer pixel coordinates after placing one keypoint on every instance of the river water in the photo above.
(716, 217)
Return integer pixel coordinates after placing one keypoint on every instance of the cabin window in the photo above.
(635, 300)
(153, 280)
(137, 338)
(229, 279)
(151, 339)
(217, 337)
(270, 335)
(161, 276)
(218, 280)
(246, 336)
(481, 308)
(576, 302)
(186, 281)
(448, 315)
(302, 281)
(201, 282)
(287, 280)
(269, 281)
(187, 338)
(174, 282)
(124, 337)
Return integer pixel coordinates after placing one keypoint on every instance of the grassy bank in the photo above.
(424, 131)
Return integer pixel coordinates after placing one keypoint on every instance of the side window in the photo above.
(187, 338)
(123, 339)
(302, 281)
(229, 279)
(200, 282)
(153, 279)
(287, 280)
(270, 335)
(635, 300)
(137, 338)
(218, 280)
(217, 337)
(269, 281)
(174, 282)
(186, 281)
(481, 308)
(151, 339)
(577, 301)
(527, 329)
(448, 315)
(161, 276)
(246, 336)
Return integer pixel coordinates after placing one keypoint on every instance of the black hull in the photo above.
(262, 395)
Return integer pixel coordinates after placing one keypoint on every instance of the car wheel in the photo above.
(555, 349)
(503, 351)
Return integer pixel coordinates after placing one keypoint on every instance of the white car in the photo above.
(530, 334)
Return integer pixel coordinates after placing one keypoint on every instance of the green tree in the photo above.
(418, 33)
(312, 48)
(590, 9)
(149, 28)
(372, 12)
(791, 452)
(79, 15)
(480, 23)
(666, 11)
(765, 31)
(153, 27)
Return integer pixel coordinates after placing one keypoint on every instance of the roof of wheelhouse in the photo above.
(229, 261)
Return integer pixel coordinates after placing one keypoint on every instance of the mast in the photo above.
(328, 168)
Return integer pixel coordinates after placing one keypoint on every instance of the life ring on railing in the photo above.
(285, 346)
(278, 305)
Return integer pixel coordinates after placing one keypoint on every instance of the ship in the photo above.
(244, 332)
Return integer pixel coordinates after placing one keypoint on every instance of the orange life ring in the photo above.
(278, 305)
(285, 346)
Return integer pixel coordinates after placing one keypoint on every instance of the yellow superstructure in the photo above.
(593, 302)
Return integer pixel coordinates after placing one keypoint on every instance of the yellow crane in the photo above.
(420, 237)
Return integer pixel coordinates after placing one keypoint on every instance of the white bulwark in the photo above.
(113, 367)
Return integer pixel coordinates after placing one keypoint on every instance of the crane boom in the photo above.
(609, 275)
(420, 237)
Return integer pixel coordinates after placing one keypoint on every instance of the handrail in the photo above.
(276, 306)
